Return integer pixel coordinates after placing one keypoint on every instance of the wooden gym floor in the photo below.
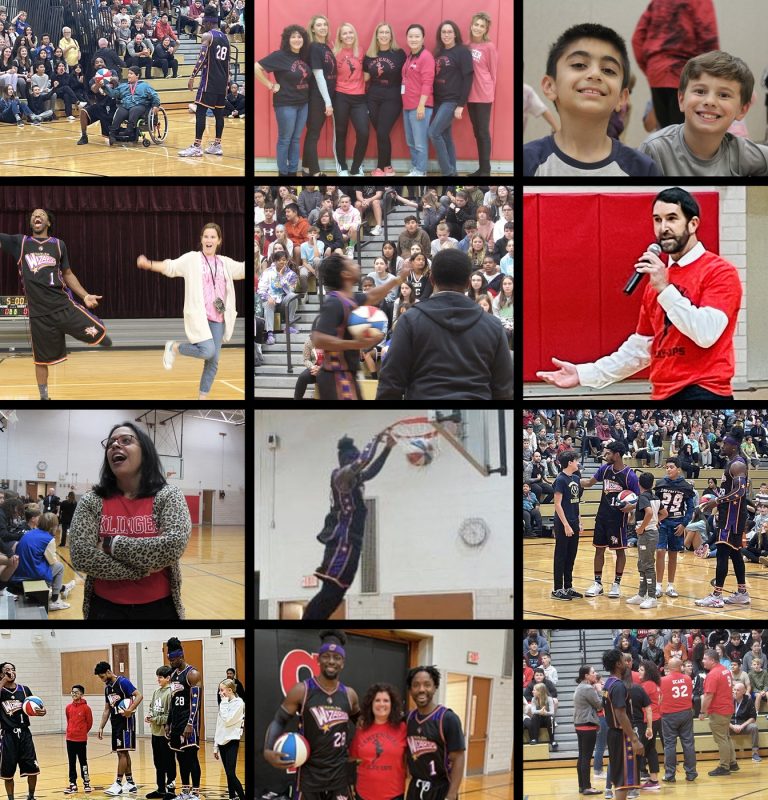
(557, 783)
(54, 771)
(487, 787)
(691, 581)
(213, 576)
(103, 374)
(51, 149)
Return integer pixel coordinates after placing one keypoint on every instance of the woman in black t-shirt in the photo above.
(383, 65)
(290, 93)
(322, 90)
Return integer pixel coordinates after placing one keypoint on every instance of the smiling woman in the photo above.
(129, 533)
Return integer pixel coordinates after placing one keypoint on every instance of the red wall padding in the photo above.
(579, 250)
(273, 16)
(193, 503)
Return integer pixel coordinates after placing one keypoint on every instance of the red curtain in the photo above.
(106, 227)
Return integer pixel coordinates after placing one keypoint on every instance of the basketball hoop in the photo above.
(418, 437)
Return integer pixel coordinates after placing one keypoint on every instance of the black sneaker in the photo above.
(669, 779)
(692, 777)
(718, 771)
(560, 594)
(83, 139)
(156, 795)
(574, 595)
(734, 767)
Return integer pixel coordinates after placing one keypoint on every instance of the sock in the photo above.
(717, 591)
(599, 578)
(217, 140)
(54, 598)
(618, 577)
(198, 142)
(43, 387)
(742, 587)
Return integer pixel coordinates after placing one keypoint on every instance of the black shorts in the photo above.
(422, 789)
(211, 99)
(48, 332)
(123, 733)
(610, 534)
(341, 793)
(622, 763)
(340, 561)
(101, 112)
(18, 750)
(178, 740)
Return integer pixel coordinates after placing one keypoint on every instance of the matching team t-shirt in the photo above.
(386, 74)
(321, 57)
(292, 73)
(719, 683)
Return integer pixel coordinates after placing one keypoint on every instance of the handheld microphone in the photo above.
(638, 276)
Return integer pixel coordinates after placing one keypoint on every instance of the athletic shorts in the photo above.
(179, 741)
(668, 540)
(734, 540)
(18, 750)
(421, 789)
(101, 112)
(123, 733)
(610, 534)
(48, 332)
(211, 99)
(622, 762)
(340, 562)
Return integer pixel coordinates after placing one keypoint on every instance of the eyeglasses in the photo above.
(123, 441)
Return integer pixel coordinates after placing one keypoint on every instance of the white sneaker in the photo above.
(659, 590)
(649, 602)
(671, 591)
(115, 789)
(738, 599)
(214, 149)
(635, 600)
(615, 590)
(71, 118)
(59, 605)
(193, 151)
(710, 601)
(343, 173)
(130, 788)
(168, 355)
(414, 173)
(376, 231)
(82, 104)
(594, 590)
(67, 588)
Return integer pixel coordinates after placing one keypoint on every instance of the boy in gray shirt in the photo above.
(649, 514)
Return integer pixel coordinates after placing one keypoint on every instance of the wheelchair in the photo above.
(152, 128)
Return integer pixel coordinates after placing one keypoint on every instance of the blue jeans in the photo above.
(441, 135)
(208, 350)
(600, 745)
(416, 137)
(291, 121)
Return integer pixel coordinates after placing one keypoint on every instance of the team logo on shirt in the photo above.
(11, 706)
(327, 718)
(177, 687)
(91, 331)
(114, 698)
(419, 745)
(37, 261)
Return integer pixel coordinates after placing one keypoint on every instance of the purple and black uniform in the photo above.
(732, 506)
(430, 741)
(18, 749)
(123, 728)
(336, 379)
(213, 66)
(610, 520)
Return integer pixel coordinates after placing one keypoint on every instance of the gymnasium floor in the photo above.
(123, 374)
(213, 576)
(490, 787)
(691, 581)
(560, 783)
(51, 149)
(53, 778)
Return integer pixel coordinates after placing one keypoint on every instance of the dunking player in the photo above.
(184, 719)
(213, 68)
(611, 518)
(687, 318)
(18, 749)
(435, 741)
(49, 284)
(344, 526)
(731, 523)
(326, 708)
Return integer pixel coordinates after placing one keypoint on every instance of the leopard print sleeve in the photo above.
(84, 548)
(173, 523)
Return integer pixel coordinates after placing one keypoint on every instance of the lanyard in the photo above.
(214, 275)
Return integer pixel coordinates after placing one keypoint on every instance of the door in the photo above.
(193, 654)
(207, 507)
(120, 660)
(477, 730)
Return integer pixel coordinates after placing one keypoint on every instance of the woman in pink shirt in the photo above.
(418, 80)
(481, 95)
(350, 102)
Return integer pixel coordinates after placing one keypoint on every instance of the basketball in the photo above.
(31, 705)
(102, 74)
(419, 452)
(705, 498)
(293, 745)
(124, 704)
(626, 498)
(364, 321)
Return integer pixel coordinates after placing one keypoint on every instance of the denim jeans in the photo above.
(290, 123)
(441, 135)
(208, 350)
(416, 137)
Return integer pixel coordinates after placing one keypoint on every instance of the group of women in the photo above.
(314, 81)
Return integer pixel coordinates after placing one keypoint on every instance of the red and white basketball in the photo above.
(419, 452)
(626, 498)
(294, 747)
(365, 321)
(32, 705)
(705, 498)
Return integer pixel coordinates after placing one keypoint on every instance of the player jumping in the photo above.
(344, 526)
(49, 284)
(611, 518)
(731, 523)
(213, 67)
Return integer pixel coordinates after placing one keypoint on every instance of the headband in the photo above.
(175, 653)
(731, 440)
(332, 648)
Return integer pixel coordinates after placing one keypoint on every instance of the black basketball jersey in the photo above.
(324, 723)
(11, 707)
(214, 76)
(732, 505)
(120, 689)
(614, 483)
(429, 744)
(183, 709)
(40, 262)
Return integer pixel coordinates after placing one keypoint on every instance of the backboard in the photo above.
(477, 434)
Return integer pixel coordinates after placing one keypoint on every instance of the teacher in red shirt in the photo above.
(717, 704)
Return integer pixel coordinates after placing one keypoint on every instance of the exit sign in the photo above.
(309, 582)
(473, 657)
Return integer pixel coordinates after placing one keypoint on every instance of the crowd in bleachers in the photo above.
(311, 224)
(676, 675)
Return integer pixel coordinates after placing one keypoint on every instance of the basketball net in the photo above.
(416, 434)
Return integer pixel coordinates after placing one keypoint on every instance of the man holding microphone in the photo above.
(687, 318)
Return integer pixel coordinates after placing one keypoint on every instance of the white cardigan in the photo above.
(195, 319)
(229, 724)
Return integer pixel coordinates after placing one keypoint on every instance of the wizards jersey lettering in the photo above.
(419, 745)
(12, 706)
(326, 717)
(37, 261)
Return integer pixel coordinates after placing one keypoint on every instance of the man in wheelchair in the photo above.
(135, 99)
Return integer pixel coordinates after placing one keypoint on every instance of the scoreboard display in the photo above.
(13, 306)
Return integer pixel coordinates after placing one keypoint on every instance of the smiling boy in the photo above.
(715, 90)
(587, 75)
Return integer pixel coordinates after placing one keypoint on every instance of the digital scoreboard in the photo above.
(13, 306)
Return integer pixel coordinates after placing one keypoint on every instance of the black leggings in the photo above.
(304, 379)
(725, 552)
(586, 740)
(164, 761)
(189, 767)
(354, 107)
(325, 602)
(480, 116)
(384, 113)
(228, 753)
(200, 117)
(315, 120)
(649, 758)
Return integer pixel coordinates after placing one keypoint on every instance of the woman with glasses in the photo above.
(129, 533)
(209, 301)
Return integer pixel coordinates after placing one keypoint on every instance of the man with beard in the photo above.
(435, 741)
(326, 708)
(687, 317)
(183, 726)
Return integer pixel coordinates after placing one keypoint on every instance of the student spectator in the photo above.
(542, 714)
(45, 45)
(308, 200)
(58, 58)
(313, 359)
(391, 258)
(738, 673)
(78, 85)
(533, 634)
(123, 37)
(163, 56)
(549, 671)
(348, 219)
(443, 236)
(164, 28)
(460, 210)
(735, 648)
(492, 274)
(369, 197)
(755, 659)
(506, 217)
(477, 285)
(532, 523)
(413, 234)
(504, 306)
(329, 232)
(276, 289)
(419, 277)
(184, 22)
(296, 228)
(13, 110)
(675, 648)
(62, 91)
(650, 681)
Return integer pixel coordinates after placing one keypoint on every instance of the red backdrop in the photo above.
(272, 16)
(193, 503)
(579, 250)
